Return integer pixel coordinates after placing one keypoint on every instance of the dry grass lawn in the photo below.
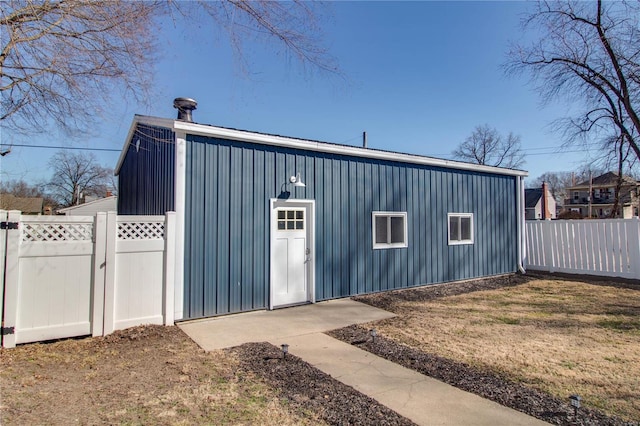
(562, 337)
(150, 375)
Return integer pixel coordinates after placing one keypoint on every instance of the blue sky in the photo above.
(419, 77)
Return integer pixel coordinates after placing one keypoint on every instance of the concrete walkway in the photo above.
(422, 399)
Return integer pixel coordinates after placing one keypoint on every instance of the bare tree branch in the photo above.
(486, 146)
(588, 54)
(78, 175)
(62, 60)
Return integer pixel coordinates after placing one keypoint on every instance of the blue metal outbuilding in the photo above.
(251, 236)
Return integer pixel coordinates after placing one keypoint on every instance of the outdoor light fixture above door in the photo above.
(297, 180)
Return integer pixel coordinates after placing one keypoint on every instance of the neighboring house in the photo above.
(90, 208)
(538, 207)
(27, 205)
(602, 189)
(266, 221)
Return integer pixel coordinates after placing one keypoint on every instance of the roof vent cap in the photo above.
(185, 106)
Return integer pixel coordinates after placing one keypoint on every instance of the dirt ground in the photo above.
(157, 375)
(528, 342)
(143, 375)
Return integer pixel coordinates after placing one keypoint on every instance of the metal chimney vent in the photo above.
(185, 106)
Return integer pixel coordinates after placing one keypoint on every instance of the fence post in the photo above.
(11, 281)
(99, 269)
(110, 273)
(634, 246)
(169, 267)
(3, 245)
(547, 245)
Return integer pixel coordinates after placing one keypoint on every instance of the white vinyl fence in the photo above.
(65, 276)
(609, 247)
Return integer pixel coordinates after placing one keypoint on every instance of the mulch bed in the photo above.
(307, 388)
(483, 383)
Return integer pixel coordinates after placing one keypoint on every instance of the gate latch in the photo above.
(7, 330)
(9, 225)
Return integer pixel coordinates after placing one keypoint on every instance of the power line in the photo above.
(63, 147)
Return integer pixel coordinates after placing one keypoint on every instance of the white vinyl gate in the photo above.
(65, 276)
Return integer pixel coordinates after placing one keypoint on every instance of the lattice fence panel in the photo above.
(140, 230)
(56, 231)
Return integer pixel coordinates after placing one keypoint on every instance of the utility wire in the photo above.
(62, 147)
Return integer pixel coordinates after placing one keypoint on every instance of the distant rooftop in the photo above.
(27, 205)
(608, 178)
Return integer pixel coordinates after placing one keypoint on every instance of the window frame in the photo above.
(459, 242)
(389, 215)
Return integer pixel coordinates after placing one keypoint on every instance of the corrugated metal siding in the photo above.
(146, 179)
(229, 185)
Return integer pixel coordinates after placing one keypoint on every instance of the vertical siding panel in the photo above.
(222, 280)
(441, 225)
(196, 265)
(366, 223)
(320, 252)
(309, 177)
(337, 236)
(410, 270)
(210, 230)
(375, 206)
(487, 264)
(358, 189)
(270, 192)
(188, 249)
(235, 229)
(495, 195)
(476, 224)
(345, 206)
(247, 224)
(355, 204)
(329, 229)
(295, 163)
(385, 197)
(507, 226)
(421, 234)
(503, 220)
(485, 229)
(468, 250)
(454, 206)
(402, 257)
(260, 229)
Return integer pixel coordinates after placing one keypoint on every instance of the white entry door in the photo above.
(291, 252)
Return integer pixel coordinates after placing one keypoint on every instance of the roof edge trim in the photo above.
(247, 136)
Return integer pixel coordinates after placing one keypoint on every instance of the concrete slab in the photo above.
(280, 324)
(422, 399)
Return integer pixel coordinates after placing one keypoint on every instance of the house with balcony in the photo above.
(596, 197)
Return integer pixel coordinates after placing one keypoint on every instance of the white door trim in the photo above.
(311, 235)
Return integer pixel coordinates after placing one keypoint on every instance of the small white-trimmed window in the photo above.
(389, 230)
(460, 228)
